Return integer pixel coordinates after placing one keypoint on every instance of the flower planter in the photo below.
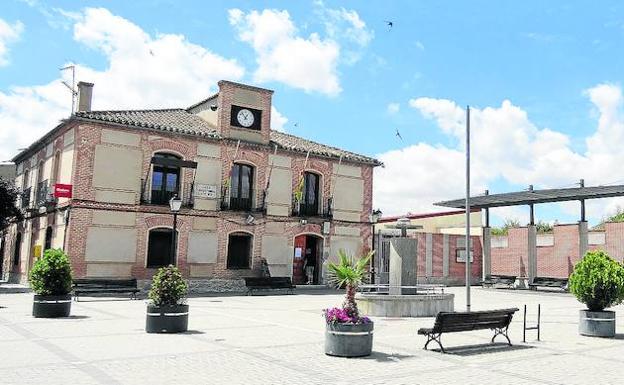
(597, 323)
(349, 340)
(51, 306)
(167, 319)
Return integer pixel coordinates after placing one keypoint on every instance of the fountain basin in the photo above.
(417, 305)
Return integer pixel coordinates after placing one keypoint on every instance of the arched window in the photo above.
(56, 167)
(241, 194)
(239, 251)
(42, 185)
(48, 239)
(159, 252)
(165, 180)
(310, 203)
(26, 180)
(17, 249)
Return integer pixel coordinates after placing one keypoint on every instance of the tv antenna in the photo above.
(72, 88)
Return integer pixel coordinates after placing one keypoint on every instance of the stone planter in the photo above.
(167, 319)
(597, 323)
(349, 340)
(51, 306)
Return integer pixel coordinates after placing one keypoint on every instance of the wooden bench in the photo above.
(86, 286)
(451, 322)
(491, 280)
(268, 283)
(561, 283)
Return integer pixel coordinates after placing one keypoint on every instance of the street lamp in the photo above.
(175, 204)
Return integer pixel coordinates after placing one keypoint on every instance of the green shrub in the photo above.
(168, 287)
(598, 281)
(51, 274)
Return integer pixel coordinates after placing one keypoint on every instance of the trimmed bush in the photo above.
(598, 281)
(168, 287)
(51, 274)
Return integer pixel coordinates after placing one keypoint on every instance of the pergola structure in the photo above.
(531, 198)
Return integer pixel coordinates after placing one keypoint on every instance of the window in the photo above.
(241, 194)
(26, 180)
(159, 248)
(310, 203)
(56, 168)
(48, 239)
(42, 186)
(239, 251)
(17, 250)
(165, 181)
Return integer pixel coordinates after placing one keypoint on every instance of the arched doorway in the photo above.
(308, 259)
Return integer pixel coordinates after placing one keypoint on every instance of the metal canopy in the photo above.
(537, 196)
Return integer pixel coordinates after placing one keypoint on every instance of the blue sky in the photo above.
(540, 75)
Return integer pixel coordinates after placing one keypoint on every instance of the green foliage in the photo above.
(598, 281)
(504, 229)
(543, 227)
(349, 272)
(8, 204)
(51, 274)
(168, 287)
(617, 216)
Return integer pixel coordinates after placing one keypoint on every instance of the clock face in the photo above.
(245, 117)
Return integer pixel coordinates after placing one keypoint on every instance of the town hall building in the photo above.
(99, 186)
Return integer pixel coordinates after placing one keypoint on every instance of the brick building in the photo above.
(248, 192)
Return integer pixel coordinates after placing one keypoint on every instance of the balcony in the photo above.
(234, 200)
(303, 209)
(162, 197)
(25, 198)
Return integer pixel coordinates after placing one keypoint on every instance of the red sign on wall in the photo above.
(62, 190)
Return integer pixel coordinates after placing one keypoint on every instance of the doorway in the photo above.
(307, 261)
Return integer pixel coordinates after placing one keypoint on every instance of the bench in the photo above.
(561, 283)
(268, 283)
(491, 280)
(86, 286)
(451, 322)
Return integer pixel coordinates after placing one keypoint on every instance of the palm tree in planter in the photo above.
(167, 312)
(347, 334)
(598, 282)
(51, 280)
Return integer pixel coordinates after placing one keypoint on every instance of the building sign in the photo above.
(62, 190)
(37, 251)
(461, 256)
(206, 191)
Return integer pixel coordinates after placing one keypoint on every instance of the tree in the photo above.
(504, 229)
(8, 204)
(349, 272)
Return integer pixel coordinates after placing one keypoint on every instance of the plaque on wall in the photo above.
(461, 256)
(206, 191)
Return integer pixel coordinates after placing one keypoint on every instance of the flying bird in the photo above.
(389, 23)
(151, 52)
(296, 124)
(398, 134)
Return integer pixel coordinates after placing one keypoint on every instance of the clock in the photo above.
(245, 117)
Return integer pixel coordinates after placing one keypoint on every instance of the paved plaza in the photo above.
(279, 340)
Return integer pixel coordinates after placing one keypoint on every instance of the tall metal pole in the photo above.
(468, 248)
(173, 239)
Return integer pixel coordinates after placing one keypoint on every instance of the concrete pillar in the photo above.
(428, 255)
(445, 255)
(402, 264)
(487, 251)
(85, 93)
(583, 238)
(532, 252)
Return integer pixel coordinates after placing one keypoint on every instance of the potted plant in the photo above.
(347, 334)
(51, 280)
(598, 282)
(167, 312)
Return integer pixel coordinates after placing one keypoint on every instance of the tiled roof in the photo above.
(172, 120)
(182, 121)
(295, 143)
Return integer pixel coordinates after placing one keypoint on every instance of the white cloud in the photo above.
(284, 56)
(393, 108)
(143, 71)
(506, 146)
(278, 121)
(420, 45)
(9, 33)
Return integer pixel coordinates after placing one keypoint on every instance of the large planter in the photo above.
(597, 323)
(349, 340)
(167, 319)
(51, 306)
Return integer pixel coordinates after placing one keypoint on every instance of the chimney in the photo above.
(85, 92)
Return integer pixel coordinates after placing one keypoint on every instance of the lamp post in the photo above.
(174, 204)
(374, 218)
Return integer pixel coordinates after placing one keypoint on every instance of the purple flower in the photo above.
(338, 315)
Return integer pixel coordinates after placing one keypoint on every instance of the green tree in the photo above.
(598, 281)
(8, 204)
(504, 229)
(349, 273)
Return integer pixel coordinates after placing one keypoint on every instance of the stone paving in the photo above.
(279, 340)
